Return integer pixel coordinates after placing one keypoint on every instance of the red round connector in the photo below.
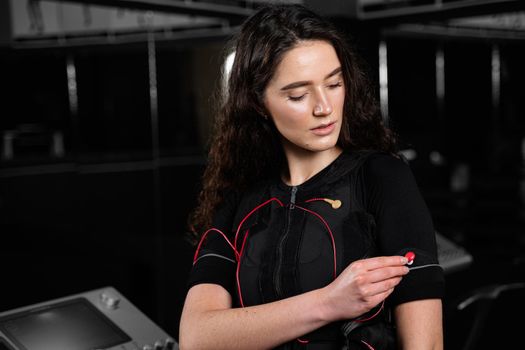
(410, 257)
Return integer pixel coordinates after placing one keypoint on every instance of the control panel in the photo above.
(101, 319)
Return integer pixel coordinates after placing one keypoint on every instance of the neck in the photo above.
(303, 164)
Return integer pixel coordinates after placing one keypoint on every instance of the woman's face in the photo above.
(305, 97)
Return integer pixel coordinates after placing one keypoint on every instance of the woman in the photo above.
(306, 213)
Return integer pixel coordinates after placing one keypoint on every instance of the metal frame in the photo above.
(200, 8)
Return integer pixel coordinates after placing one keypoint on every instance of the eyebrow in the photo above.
(303, 83)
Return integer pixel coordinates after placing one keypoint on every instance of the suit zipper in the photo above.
(282, 241)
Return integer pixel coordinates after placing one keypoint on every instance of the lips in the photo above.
(324, 129)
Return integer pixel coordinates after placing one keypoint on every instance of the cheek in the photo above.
(339, 99)
(288, 113)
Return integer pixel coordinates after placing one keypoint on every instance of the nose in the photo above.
(322, 106)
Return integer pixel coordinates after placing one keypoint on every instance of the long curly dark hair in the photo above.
(246, 147)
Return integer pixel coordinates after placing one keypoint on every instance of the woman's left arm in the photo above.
(420, 325)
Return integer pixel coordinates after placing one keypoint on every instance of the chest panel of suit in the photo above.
(299, 247)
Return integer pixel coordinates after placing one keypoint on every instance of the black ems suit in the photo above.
(276, 241)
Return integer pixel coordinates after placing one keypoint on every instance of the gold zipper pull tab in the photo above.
(335, 203)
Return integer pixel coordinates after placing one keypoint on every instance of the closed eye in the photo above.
(335, 85)
(296, 98)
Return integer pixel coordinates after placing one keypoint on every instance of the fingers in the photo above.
(380, 262)
(374, 276)
(378, 269)
(374, 300)
(381, 274)
(373, 289)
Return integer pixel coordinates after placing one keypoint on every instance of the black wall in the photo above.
(111, 208)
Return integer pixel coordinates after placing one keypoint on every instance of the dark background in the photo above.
(110, 207)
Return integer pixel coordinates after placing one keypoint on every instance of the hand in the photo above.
(362, 286)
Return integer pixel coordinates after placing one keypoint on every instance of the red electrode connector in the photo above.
(410, 257)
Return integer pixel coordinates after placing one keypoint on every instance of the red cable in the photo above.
(367, 345)
(251, 212)
(371, 317)
(233, 246)
(314, 199)
(329, 231)
(332, 239)
(202, 240)
(239, 267)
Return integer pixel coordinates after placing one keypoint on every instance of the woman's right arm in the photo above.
(209, 322)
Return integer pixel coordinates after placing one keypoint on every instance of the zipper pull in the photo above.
(292, 199)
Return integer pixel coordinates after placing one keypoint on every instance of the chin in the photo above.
(321, 147)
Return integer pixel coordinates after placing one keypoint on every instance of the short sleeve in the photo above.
(403, 223)
(215, 259)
